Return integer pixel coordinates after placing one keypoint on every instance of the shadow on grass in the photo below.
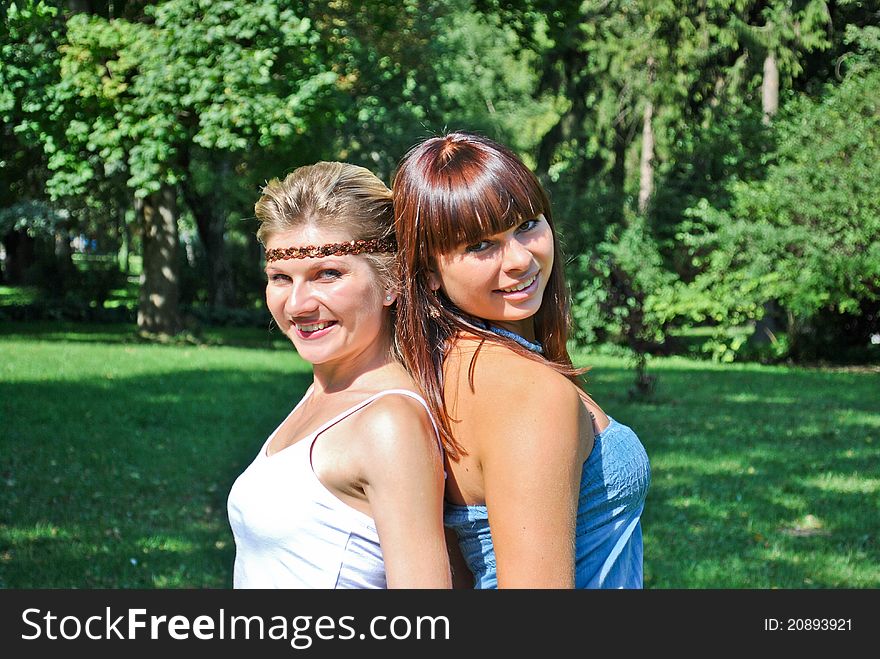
(123, 484)
(761, 477)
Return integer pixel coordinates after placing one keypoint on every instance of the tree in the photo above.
(806, 235)
(29, 34)
(780, 33)
(222, 82)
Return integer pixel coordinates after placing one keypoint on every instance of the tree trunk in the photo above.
(255, 251)
(124, 243)
(210, 213)
(770, 87)
(210, 219)
(547, 146)
(617, 177)
(220, 285)
(20, 255)
(64, 257)
(646, 163)
(766, 328)
(80, 6)
(158, 298)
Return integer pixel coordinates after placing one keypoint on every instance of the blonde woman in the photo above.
(347, 492)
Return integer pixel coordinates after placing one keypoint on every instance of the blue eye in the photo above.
(478, 247)
(329, 273)
(278, 277)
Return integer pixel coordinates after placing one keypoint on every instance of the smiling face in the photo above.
(334, 308)
(502, 278)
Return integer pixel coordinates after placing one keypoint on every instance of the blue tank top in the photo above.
(608, 531)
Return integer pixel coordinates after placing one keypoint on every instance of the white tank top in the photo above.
(291, 532)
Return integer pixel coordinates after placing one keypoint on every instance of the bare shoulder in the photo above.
(397, 422)
(397, 446)
(492, 370)
(502, 401)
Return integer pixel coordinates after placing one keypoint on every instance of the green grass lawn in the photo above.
(116, 458)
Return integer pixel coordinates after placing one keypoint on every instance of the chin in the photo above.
(308, 353)
(314, 360)
(521, 313)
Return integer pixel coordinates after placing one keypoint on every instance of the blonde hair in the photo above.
(332, 195)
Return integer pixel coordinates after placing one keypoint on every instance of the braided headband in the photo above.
(332, 249)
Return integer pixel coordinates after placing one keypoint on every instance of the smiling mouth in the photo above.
(313, 327)
(519, 287)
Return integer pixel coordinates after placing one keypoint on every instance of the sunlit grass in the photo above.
(36, 533)
(116, 457)
(842, 484)
(19, 295)
(763, 476)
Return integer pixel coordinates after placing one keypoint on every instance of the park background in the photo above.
(714, 169)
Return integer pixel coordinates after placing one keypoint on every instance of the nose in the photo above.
(517, 257)
(300, 300)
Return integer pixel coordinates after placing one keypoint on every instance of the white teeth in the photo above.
(521, 286)
(313, 328)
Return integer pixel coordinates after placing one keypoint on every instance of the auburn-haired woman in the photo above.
(544, 489)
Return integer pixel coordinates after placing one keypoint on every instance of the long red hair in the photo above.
(448, 191)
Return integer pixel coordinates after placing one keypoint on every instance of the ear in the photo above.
(433, 280)
(389, 298)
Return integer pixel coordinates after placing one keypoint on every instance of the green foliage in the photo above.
(748, 223)
(622, 298)
(411, 69)
(488, 83)
(865, 42)
(384, 55)
(731, 144)
(806, 236)
(37, 218)
(787, 29)
(226, 76)
(29, 33)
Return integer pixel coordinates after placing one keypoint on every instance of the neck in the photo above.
(504, 330)
(525, 328)
(354, 372)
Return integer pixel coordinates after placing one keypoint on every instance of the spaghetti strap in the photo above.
(423, 403)
(289, 414)
(358, 406)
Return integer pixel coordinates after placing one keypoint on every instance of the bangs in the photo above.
(466, 196)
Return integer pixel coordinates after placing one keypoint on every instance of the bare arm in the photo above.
(403, 471)
(531, 457)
